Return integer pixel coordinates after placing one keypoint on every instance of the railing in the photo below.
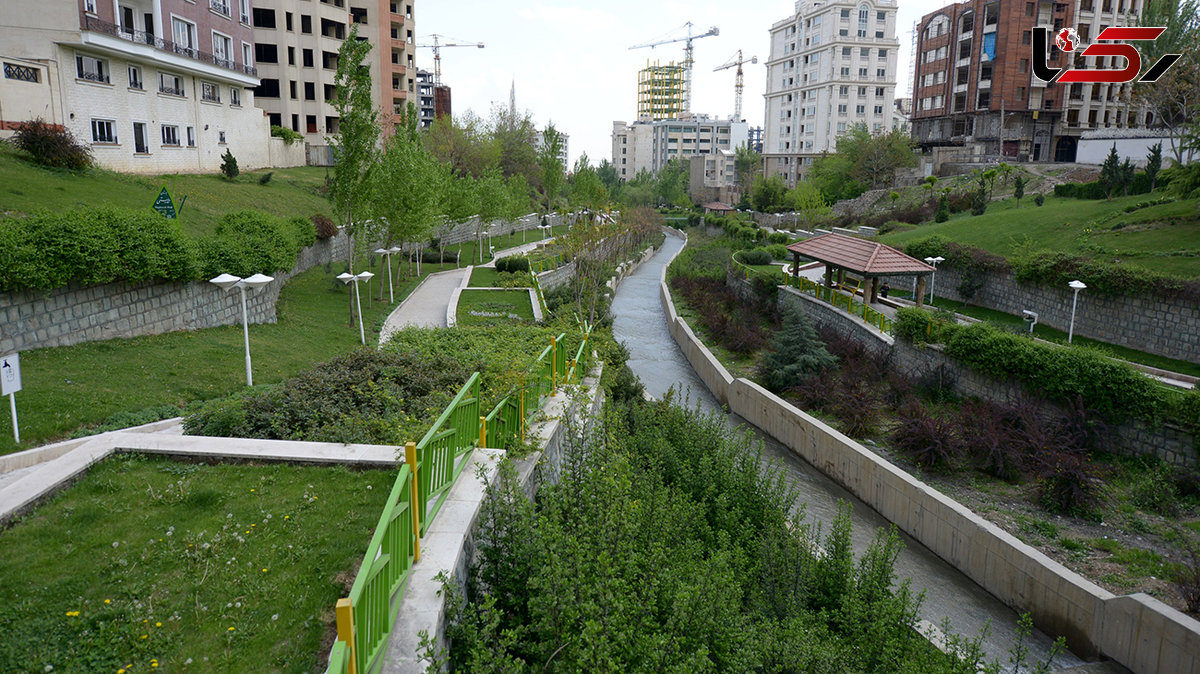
(93, 24)
(509, 420)
(455, 433)
(839, 300)
(91, 76)
(175, 91)
(14, 71)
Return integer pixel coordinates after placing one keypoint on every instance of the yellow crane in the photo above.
(437, 53)
(687, 57)
(737, 87)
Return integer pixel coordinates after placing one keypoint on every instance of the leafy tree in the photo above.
(767, 194)
(796, 353)
(875, 157)
(465, 144)
(491, 199)
(584, 188)
(671, 186)
(930, 184)
(1110, 171)
(807, 202)
(515, 137)
(641, 191)
(748, 165)
(831, 174)
(1019, 188)
(608, 175)
(552, 169)
(1154, 164)
(354, 144)
(1174, 99)
(229, 165)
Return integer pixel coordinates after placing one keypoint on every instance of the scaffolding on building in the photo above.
(661, 91)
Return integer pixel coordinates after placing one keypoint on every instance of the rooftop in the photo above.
(859, 255)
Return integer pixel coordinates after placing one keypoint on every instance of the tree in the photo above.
(807, 202)
(1019, 188)
(515, 137)
(1154, 164)
(608, 175)
(1174, 100)
(552, 169)
(491, 198)
(1127, 172)
(671, 184)
(465, 144)
(584, 189)
(767, 194)
(406, 185)
(229, 166)
(796, 353)
(930, 184)
(875, 157)
(748, 165)
(354, 144)
(1110, 171)
(943, 210)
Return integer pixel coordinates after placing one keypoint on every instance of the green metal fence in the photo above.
(455, 433)
(846, 302)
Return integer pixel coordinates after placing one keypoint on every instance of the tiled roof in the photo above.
(718, 206)
(859, 255)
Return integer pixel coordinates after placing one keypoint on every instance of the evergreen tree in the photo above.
(797, 353)
(1019, 188)
(1154, 164)
(1110, 171)
(1127, 172)
(943, 211)
(229, 167)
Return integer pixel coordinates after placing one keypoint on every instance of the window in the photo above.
(191, 136)
(879, 35)
(860, 109)
(310, 91)
(265, 52)
(288, 20)
(222, 49)
(846, 51)
(89, 6)
(291, 59)
(184, 35)
(881, 17)
(140, 145)
(1026, 37)
(985, 99)
(842, 109)
(221, 137)
(267, 88)
(865, 52)
(170, 135)
(881, 73)
(1024, 66)
(882, 54)
(210, 92)
(104, 131)
(306, 26)
(91, 69)
(878, 92)
(171, 84)
(247, 55)
(307, 54)
(843, 90)
(841, 126)
(264, 18)
(244, 5)
(842, 32)
(845, 72)
(135, 78)
(862, 91)
(310, 123)
(879, 110)
(845, 14)
(235, 96)
(1029, 9)
(292, 89)
(1021, 93)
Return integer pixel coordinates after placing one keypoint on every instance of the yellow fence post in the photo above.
(410, 457)
(345, 631)
(483, 431)
(553, 365)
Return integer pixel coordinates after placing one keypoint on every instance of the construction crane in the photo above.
(687, 58)
(737, 87)
(437, 53)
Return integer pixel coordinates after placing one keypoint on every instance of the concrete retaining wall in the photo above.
(1137, 631)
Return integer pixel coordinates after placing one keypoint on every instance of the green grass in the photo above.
(1058, 336)
(214, 568)
(26, 187)
(484, 277)
(508, 302)
(1161, 238)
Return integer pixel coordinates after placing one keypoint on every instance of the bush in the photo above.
(756, 256)
(1070, 484)
(777, 238)
(960, 201)
(229, 165)
(286, 134)
(265, 178)
(1039, 199)
(779, 251)
(324, 226)
(931, 440)
(250, 242)
(1097, 189)
(52, 145)
(1056, 268)
(943, 209)
(513, 264)
(733, 322)
(796, 353)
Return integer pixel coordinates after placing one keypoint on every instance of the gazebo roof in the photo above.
(718, 206)
(859, 255)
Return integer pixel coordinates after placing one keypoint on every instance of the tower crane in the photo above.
(437, 53)
(687, 58)
(737, 87)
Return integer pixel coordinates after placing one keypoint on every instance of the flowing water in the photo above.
(640, 323)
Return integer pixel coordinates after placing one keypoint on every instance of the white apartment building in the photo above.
(563, 154)
(153, 85)
(649, 144)
(831, 65)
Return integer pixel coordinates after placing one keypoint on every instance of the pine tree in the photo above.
(1019, 188)
(229, 167)
(1127, 172)
(943, 210)
(1154, 164)
(797, 353)
(1110, 171)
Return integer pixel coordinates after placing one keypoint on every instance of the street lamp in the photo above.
(1076, 285)
(933, 278)
(396, 250)
(228, 282)
(346, 277)
(387, 255)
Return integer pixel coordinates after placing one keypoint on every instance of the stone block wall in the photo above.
(1168, 328)
(1137, 630)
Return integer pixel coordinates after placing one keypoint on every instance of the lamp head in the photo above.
(226, 281)
(395, 249)
(364, 276)
(1077, 285)
(345, 277)
(382, 251)
(257, 281)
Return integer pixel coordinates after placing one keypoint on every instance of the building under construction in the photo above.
(661, 91)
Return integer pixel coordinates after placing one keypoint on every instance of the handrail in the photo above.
(455, 433)
(828, 294)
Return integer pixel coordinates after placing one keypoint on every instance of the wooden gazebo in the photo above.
(869, 259)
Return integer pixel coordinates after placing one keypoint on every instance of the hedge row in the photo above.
(92, 246)
(1097, 189)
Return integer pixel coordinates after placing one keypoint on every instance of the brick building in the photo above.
(974, 87)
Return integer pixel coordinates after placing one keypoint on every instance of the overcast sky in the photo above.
(572, 65)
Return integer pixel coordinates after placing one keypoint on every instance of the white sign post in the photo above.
(10, 383)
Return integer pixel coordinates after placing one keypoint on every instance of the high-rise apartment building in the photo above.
(649, 144)
(563, 153)
(661, 91)
(832, 64)
(153, 85)
(297, 43)
(974, 85)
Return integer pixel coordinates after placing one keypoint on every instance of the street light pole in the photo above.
(229, 282)
(1076, 285)
(346, 277)
(933, 278)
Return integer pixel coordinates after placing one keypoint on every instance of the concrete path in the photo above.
(426, 306)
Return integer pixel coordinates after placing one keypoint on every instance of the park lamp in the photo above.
(346, 277)
(228, 282)
(933, 278)
(387, 255)
(1076, 286)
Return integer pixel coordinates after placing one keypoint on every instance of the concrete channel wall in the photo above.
(1137, 630)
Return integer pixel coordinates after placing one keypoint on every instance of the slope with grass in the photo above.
(1161, 237)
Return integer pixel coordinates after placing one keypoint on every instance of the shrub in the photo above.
(1039, 199)
(434, 256)
(229, 165)
(728, 319)
(324, 226)
(931, 440)
(250, 242)
(286, 134)
(979, 202)
(756, 256)
(779, 251)
(778, 237)
(514, 264)
(265, 178)
(52, 145)
(1056, 268)
(960, 201)
(943, 209)
(1070, 484)
(912, 325)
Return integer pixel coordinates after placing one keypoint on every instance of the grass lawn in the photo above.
(511, 305)
(1163, 238)
(484, 277)
(147, 564)
(26, 187)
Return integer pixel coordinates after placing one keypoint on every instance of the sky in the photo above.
(571, 64)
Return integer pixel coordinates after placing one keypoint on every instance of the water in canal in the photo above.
(640, 323)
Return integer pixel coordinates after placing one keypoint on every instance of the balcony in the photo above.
(168, 89)
(91, 23)
(219, 6)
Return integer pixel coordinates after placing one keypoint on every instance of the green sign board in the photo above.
(164, 205)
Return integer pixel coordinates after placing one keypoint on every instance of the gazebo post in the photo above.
(828, 275)
(869, 290)
(795, 265)
(841, 280)
(920, 291)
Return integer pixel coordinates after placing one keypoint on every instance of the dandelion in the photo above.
(230, 629)
(251, 490)
(287, 517)
(121, 671)
(275, 617)
(145, 636)
(115, 544)
(253, 525)
(107, 601)
(158, 624)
